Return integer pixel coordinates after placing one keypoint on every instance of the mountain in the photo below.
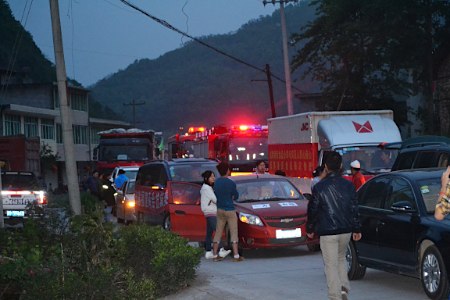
(196, 86)
(19, 53)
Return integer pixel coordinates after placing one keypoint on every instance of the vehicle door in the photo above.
(371, 197)
(120, 198)
(396, 229)
(186, 216)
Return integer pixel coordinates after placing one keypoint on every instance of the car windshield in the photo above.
(266, 189)
(191, 172)
(430, 192)
(373, 160)
(19, 182)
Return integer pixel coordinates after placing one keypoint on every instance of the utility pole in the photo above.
(133, 103)
(269, 82)
(287, 69)
(66, 118)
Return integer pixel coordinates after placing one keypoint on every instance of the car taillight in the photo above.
(41, 196)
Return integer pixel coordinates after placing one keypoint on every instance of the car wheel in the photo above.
(433, 274)
(313, 247)
(355, 271)
(166, 224)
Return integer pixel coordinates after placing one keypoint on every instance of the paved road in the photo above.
(292, 273)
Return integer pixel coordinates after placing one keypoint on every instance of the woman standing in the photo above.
(209, 209)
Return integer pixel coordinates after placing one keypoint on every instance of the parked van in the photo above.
(165, 191)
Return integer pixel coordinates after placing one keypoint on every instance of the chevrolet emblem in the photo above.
(286, 220)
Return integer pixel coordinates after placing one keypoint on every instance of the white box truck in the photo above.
(299, 143)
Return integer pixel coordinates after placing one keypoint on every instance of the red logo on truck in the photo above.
(363, 128)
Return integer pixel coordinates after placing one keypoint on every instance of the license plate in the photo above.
(287, 234)
(15, 213)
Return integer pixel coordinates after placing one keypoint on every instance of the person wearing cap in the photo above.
(120, 179)
(358, 179)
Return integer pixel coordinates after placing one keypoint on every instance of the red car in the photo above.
(271, 212)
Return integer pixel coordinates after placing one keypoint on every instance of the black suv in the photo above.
(423, 152)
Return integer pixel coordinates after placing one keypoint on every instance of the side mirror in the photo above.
(403, 207)
(308, 196)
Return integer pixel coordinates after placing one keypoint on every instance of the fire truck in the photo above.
(181, 145)
(239, 145)
(125, 147)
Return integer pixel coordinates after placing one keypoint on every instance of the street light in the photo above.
(287, 69)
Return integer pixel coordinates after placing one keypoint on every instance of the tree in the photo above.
(366, 53)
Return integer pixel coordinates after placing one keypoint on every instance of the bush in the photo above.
(159, 255)
(87, 258)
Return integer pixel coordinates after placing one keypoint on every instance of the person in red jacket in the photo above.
(358, 179)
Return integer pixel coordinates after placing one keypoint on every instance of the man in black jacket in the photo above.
(333, 215)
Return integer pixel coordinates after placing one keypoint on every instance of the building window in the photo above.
(47, 129)
(80, 134)
(59, 139)
(95, 138)
(31, 127)
(78, 102)
(12, 125)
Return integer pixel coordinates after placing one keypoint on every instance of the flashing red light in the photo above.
(196, 129)
(243, 127)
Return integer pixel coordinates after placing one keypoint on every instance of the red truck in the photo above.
(240, 145)
(20, 153)
(124, 147)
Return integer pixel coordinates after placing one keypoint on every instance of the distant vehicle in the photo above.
(19, 191)
(130, 172)
(399, 232)
(299, 143)
(166, 191)
(239, 145)
(423, 152)
(125, 203)
(124, 147)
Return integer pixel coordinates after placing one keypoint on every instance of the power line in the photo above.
(169, 26)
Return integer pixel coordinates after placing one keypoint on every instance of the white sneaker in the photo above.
(223, 252)
(209, 255)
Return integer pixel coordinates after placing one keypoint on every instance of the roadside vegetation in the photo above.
(81, 257)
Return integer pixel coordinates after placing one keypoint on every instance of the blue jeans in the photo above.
(211, 222)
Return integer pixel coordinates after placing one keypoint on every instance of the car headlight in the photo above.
(250, 219)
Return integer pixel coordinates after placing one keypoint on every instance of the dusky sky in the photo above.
(103, 36)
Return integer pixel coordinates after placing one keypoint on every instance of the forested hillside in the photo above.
(194, 85)
(19, 53)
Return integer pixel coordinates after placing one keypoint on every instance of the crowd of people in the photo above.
(103, 188)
